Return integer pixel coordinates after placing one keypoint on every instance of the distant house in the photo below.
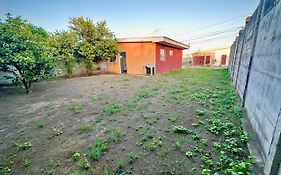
(214, 57)
(147, 55)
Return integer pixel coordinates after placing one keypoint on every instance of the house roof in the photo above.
(155, 39)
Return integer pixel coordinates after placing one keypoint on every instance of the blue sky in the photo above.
(179, 19)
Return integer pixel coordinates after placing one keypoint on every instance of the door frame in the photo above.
(120, 62)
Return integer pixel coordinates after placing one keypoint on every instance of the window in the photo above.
(113, 59)
(171, 53)
(162, 55)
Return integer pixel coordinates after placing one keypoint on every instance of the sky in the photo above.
(188, 21)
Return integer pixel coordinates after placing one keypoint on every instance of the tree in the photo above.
(64, 43)
(96, 43)
(24, 53)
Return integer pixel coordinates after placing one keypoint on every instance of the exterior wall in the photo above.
(218, 55)
(258, 75)
(137, 56)
(173, 62)
(196, 56)
(114, 67)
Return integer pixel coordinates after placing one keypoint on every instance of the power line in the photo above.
(215, 24)
(215, 39)
(207, 35)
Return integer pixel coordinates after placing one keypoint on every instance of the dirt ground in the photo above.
(132, 116)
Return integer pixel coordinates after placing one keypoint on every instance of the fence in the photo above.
(255, 69)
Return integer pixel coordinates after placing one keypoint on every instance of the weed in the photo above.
(199, 113)
(98, 120)
(189, 154)
(181, 129)
(132, 157)
(176, 145)
(98, 150)
(76, 173)
(150, 119)
(26, 162)
(84, 128)
(24, 146)
(77, 107)
(113, 108)
(154, 145)
(143, 95)
(244, 137)
(195, 136)
(85, 164)
(113, 135)
(76, 156)
(56, 132)
(40, 125)
(96, 97)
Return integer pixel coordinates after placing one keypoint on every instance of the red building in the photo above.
(147, 55)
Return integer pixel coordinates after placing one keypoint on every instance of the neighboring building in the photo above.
(214, 57)
(147, 55)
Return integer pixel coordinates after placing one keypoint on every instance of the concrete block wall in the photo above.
(255, 68)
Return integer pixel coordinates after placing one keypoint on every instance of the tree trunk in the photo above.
(26, 86)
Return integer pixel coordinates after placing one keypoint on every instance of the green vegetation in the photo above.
(98, 150)
(113, 108)
(26, 162)
(76, 156)
(77, 107)
(181, 129)
(84, 128)
(132, 157)
(24, 52)
(24, 146)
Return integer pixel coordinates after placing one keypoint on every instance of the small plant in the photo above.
(84, 128)
(98, 150)
(77, 107)
(181, 129)
(195, 136)
(120, 164)
(143, 95)
(76, 173)
(99, 120)
(76, 156)
(24, 146)
(26, 162)
(177, 145)
(199, 113)
(40, 125)
(244, 137)
(132, 157)
(96, 97)
(56, 132)
(113, 108)
(105, 171)
(113, 135)
(85, 164)
(189, 154)
(156, 143)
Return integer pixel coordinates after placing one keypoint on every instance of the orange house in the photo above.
(147, 55)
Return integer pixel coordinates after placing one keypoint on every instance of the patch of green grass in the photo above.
(199, 113)
(76, 156)
(84, 128)
(113, 108)
(96, 97)
(40, 124)
(76, 173)
(150, 118)
(84, 163)
(24, 146)
(98, 150)
(56, 132)
(154, 145)
(77, 107)
(132, 157)
(113, 135)
(143, 95)
(189, 154)
(26, 162)
(181, 129)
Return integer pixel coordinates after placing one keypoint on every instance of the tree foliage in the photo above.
(64, 43)
(23, 52)
(96, 43)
